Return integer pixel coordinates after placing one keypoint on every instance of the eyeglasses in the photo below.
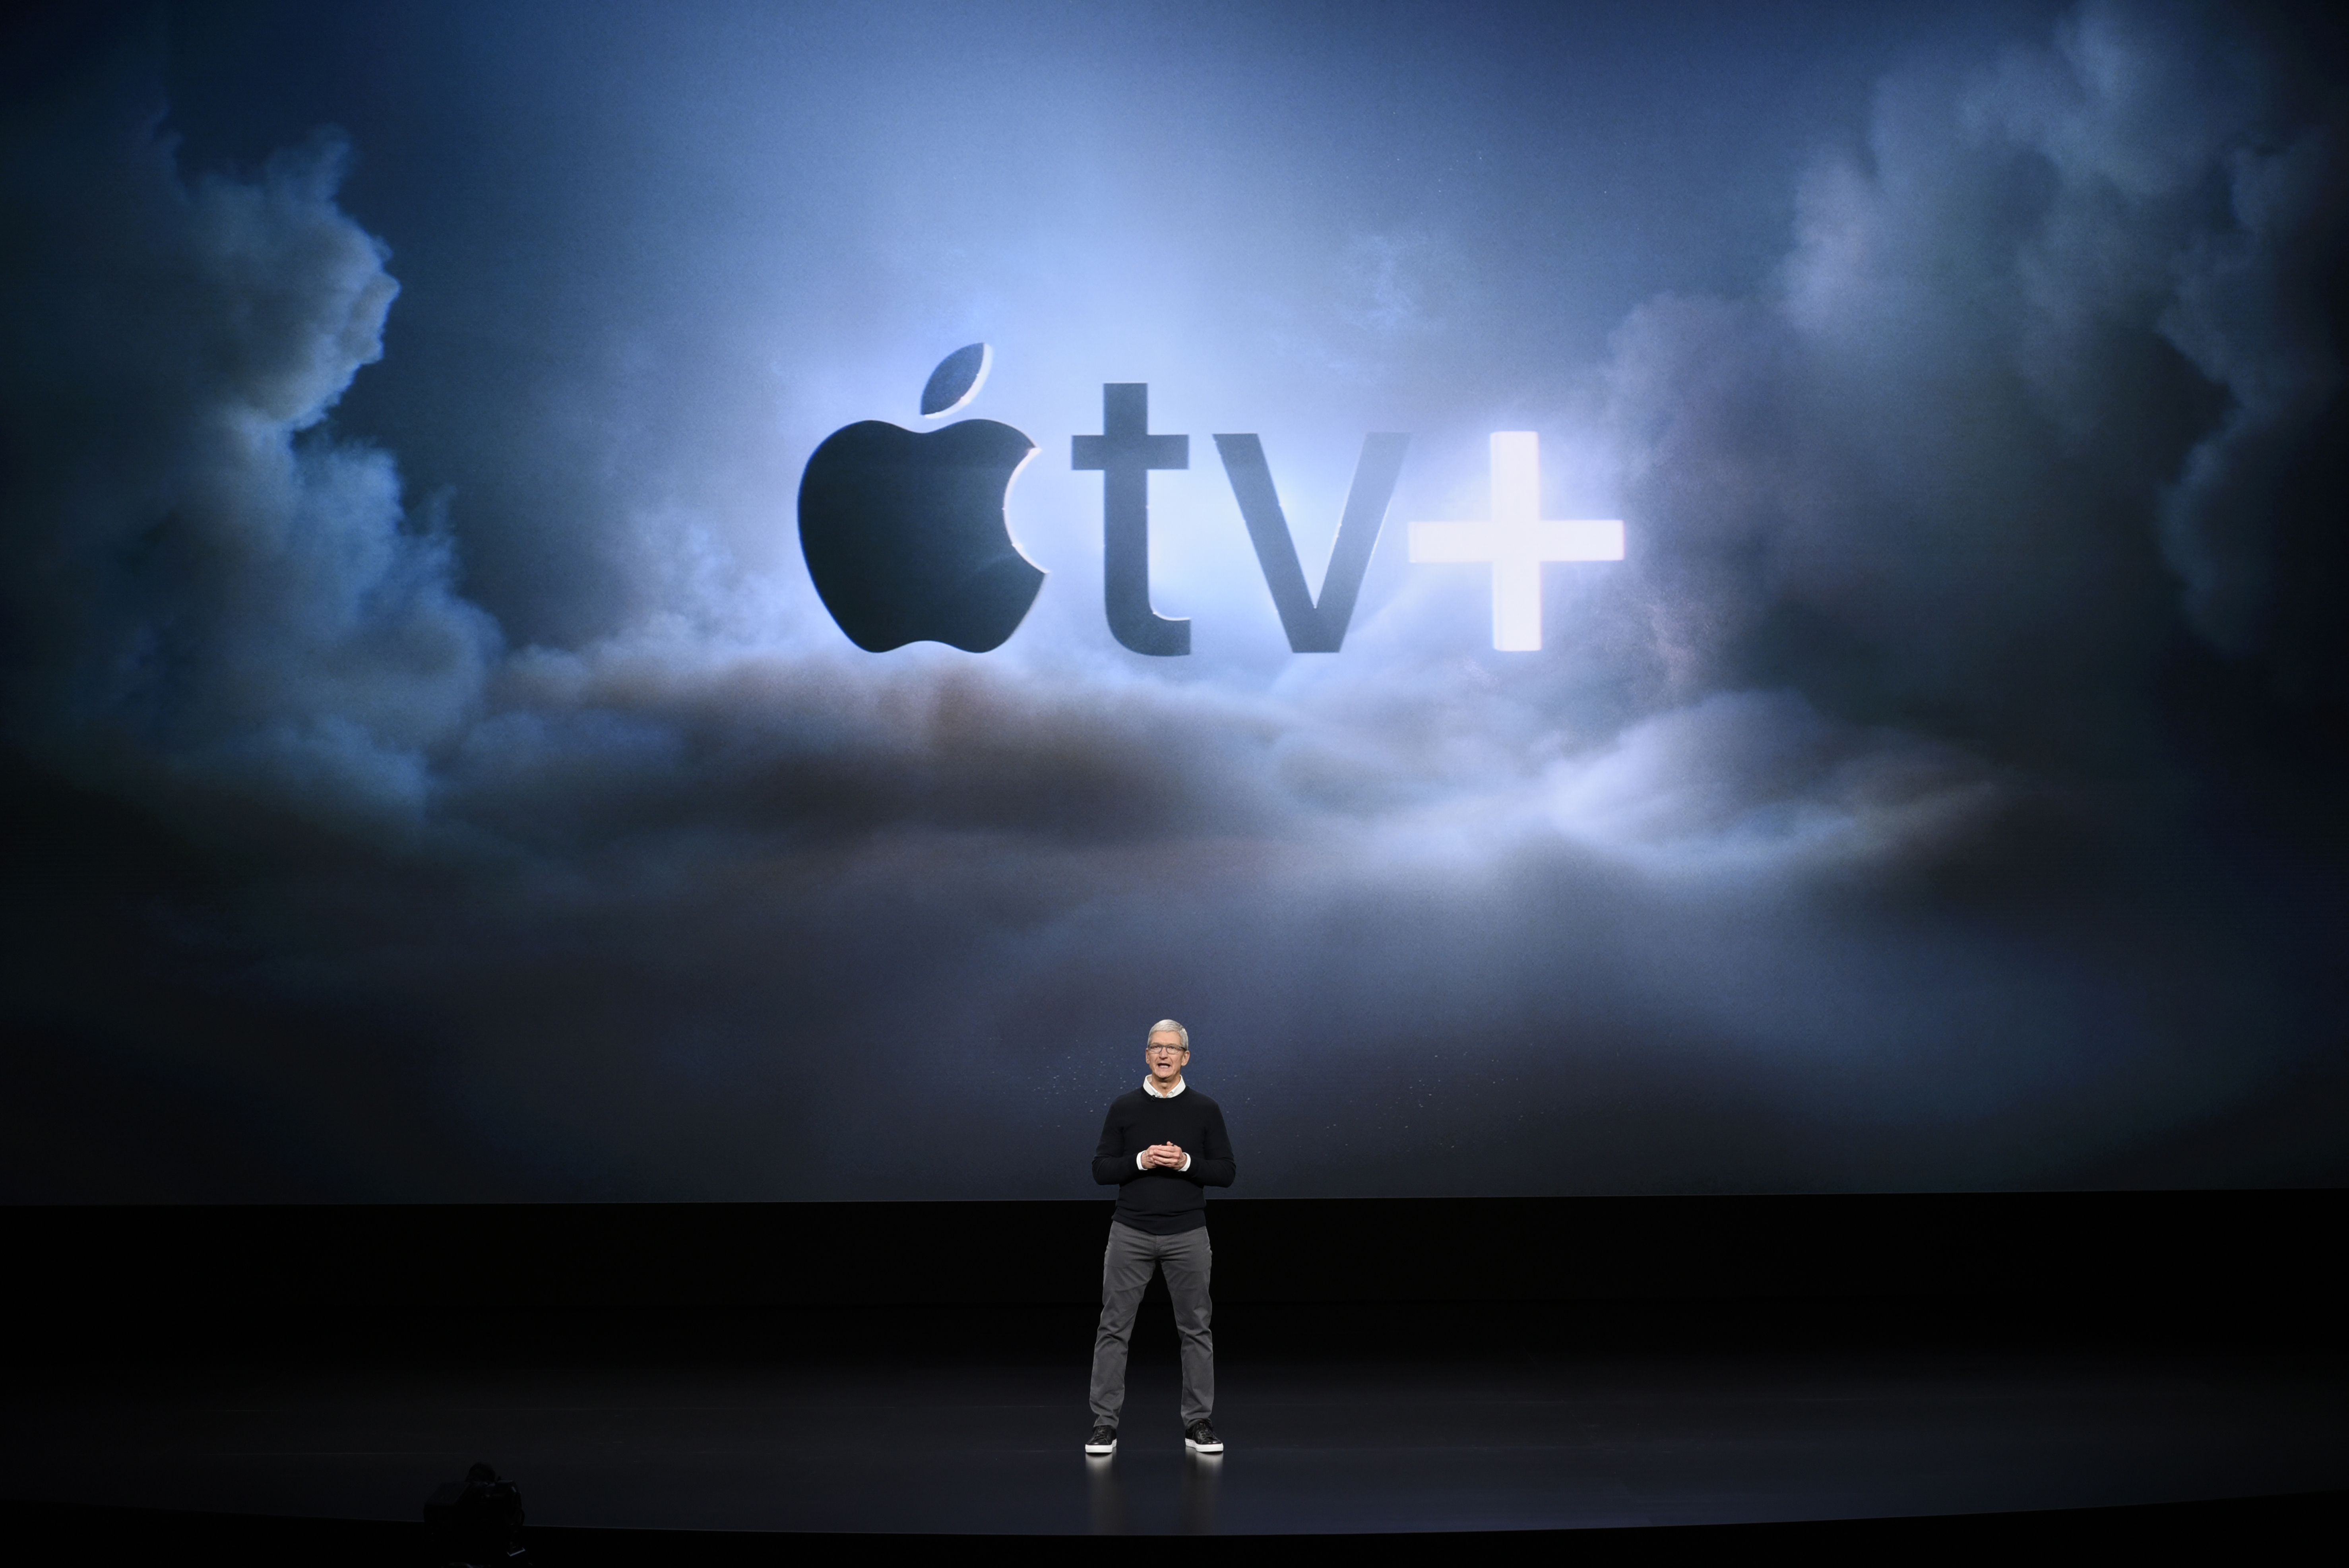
(1166, 1050)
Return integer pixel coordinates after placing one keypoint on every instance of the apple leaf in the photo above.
(956, 380)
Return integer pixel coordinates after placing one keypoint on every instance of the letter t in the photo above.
(1125, 452)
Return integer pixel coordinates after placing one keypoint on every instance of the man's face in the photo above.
(1165, 1053)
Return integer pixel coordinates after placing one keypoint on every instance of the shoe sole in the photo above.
(1203, 1447)
(1098, 1449)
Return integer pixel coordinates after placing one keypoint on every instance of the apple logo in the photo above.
(904, 530)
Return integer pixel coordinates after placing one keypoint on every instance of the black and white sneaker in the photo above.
(1103, 1441)
(1200, 1438)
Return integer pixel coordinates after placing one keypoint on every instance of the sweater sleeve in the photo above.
(1214, 1166)
(1113, 1162)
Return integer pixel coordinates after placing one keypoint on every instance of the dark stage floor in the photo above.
(970, 1419)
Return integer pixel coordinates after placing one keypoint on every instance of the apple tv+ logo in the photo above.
(905, 540)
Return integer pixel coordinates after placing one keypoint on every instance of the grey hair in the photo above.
(1164, 1025)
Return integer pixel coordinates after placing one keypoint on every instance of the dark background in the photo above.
(1429, 1278)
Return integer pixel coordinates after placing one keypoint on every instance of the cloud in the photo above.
(214, 593)
(2251, 312)
(1764, 777)
(2027, 386)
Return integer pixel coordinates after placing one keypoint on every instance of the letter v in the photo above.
(1314, 628)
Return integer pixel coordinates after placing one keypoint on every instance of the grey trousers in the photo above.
(1126, 1264)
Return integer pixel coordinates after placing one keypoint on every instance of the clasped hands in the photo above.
(1165, 1155)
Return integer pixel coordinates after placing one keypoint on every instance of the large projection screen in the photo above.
(729, 600)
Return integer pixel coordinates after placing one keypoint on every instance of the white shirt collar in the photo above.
(1151, 1089)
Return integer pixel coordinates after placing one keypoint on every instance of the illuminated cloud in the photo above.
(1762, 780)
(214, 595)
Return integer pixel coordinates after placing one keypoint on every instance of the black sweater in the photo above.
(1164, 1202)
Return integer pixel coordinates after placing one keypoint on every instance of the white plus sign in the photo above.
(1516, 541)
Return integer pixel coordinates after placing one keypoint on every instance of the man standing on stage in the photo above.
(1162, 1146)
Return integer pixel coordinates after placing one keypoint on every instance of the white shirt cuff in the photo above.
(1185, 1165)
(1142, 1161)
